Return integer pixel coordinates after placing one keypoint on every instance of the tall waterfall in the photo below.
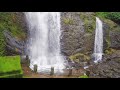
(44, 41)
(98, 45)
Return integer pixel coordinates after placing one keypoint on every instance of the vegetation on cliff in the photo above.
(115, 16)
(9, 21)
(89, 21)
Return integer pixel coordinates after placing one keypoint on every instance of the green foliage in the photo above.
(115, 16)
(10, 64)
(102, 14)
(84, 76)
(9, 21)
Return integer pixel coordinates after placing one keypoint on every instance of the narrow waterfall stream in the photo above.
(98, 44)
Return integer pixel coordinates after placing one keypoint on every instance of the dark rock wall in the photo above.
(115, 40)
(72, 37)
(77, 32)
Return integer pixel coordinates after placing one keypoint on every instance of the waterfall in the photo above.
(98, 45)
(44, 41)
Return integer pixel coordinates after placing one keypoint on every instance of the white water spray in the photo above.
(98, 45)
(44, 41)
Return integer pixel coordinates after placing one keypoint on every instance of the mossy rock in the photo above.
(78, 57)
(110, 51)
(89, 21)
(68, 21)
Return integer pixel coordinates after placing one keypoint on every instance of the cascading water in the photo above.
(44, 41)
(98, 45)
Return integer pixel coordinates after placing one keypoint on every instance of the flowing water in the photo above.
(44, 41)
(98, 45)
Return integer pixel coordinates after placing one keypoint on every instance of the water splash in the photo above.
(44, 41)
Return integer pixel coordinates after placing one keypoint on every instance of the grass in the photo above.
(10, 66)
(84, 76)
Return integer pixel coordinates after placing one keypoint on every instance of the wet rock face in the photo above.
(115, 40)
(89, 43)
(72, 36)
(105, 36)
(111, 31)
